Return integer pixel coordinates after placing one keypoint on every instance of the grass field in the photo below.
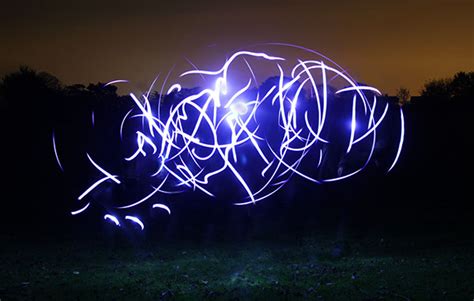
(316, 268)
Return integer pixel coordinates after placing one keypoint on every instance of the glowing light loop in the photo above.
(233, 127)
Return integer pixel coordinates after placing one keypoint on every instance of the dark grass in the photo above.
(315, 268)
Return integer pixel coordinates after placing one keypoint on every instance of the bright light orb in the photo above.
(239, 108)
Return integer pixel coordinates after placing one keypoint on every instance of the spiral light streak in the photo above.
(402, 137)
(81, 210)
(107, 177)
(136, 220)
(162, 206)
(56, 153)
(113, 219)
(232, 127)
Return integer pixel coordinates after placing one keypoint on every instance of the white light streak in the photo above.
(220, 129)
(135, 220)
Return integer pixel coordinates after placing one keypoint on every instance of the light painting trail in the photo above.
(255, 136)
(113, 219)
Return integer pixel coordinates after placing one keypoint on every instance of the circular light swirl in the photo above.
(252, 137)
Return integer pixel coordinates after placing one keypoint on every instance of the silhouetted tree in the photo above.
(26, 83)
(101, 91)
(74, 90)
(460, 86)
(403, 95)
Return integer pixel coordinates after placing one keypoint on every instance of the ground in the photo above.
(315, 268)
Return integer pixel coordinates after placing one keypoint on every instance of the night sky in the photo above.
(388, 45)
